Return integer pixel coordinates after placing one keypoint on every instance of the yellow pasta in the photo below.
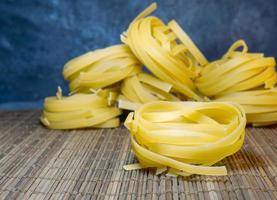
(101, 68)
(185, 138)
(260, 105)
(177, 137)
(143, 88)
(166, 51)
(237, 71)
(80, 111)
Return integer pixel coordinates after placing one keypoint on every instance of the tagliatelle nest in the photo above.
(101, 68)
(237, 71)
(185, 138)
(166, 51)
(260, 105)
(80, 110)
(143, 88)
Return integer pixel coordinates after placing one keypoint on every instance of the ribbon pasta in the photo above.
(80, 111)
(260, 105)
(168, 134)
(237, 71)
(143, 88)
(185, 138)
(101, 68)
(166, 51)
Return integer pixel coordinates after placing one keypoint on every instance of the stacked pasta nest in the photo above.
(188, 113)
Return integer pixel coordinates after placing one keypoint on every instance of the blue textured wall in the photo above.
(38, 36)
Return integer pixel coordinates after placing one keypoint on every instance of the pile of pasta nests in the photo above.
(187, 113)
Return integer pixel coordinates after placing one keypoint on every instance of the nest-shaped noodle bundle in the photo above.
(167, 51)
(143, 88)
(101, 68)
(260, 105)
(185, 138)
(237, 71)
(80, 111)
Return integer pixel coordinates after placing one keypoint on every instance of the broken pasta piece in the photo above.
(185, 138)
(143, 88)
(79, 111)
(237, 71)
(260, 105)
(101, 68)
(166, 51)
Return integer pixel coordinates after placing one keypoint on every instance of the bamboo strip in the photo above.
(36, 163)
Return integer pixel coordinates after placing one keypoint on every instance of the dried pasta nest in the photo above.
(143, 88)
(81, 111)
(101, 68)
(237, 71)
(260, 105)
(166, 50)
(185, 138)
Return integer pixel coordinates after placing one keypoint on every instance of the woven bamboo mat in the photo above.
(37, 163)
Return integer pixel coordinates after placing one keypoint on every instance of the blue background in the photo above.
(38, 36)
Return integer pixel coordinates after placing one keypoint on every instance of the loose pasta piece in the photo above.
(185, 138)
(166, 51)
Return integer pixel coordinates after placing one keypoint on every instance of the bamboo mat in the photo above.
(37, 163)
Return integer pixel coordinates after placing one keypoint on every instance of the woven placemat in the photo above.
(38, 163)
